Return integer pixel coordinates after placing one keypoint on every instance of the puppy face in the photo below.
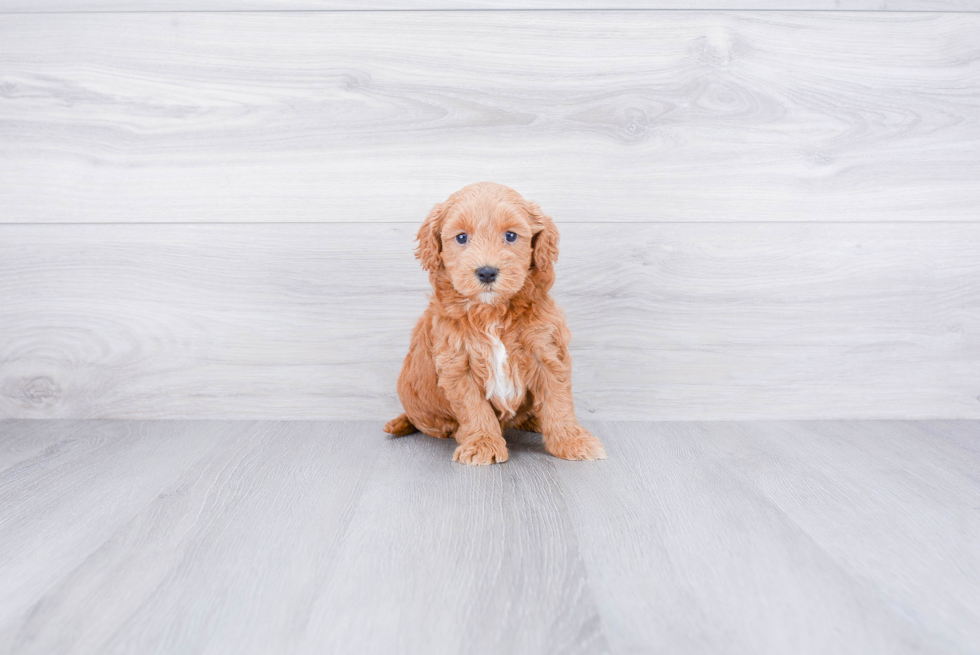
(486, 248)
(487, 239)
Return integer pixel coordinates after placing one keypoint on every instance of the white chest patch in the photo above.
(499, 384)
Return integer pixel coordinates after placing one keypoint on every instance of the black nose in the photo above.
(487, 274)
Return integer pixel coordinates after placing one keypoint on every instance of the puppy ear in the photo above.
(544, 243)
(429, 250)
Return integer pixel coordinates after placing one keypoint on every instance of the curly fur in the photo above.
(486, 357)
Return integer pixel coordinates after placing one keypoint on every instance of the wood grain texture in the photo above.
(191, 535)
(467, 560)
(600, 116)
(766, 320)
(299, 537)
(854, 526)
(95, 479)
(929, 490)
(31, 6)
(27, 441)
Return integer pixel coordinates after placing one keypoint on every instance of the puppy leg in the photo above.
(480, 438)
(481, 442)
(563, 436)
(426, 407)
(440, 427)
(566, 438)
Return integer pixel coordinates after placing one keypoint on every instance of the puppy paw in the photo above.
(481, 450)
(576, 443)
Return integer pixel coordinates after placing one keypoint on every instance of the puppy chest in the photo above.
(500, 383)
(503, 383)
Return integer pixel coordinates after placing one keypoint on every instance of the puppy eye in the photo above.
(511, 237)
(461, 238)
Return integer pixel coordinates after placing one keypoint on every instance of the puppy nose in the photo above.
(487, 274)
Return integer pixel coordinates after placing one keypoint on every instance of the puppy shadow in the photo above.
(518, 441)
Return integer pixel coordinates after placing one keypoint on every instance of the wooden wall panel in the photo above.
(766, 214)
(601, 116)
(29, 6)
(670, 321)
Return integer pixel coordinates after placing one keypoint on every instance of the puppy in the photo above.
(491, 350)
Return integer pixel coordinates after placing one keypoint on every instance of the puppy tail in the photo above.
(400, 426)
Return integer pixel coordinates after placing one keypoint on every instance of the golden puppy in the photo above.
(491, 350)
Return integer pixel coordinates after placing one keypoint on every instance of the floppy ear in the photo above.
(544, 243)
(429, 237)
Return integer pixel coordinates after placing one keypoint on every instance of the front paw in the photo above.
(575, 443)
(479, 451)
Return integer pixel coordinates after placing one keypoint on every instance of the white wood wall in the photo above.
(765, 214)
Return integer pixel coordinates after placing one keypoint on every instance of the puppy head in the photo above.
(487, 239)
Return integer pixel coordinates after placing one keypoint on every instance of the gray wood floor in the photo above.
(303, 537)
